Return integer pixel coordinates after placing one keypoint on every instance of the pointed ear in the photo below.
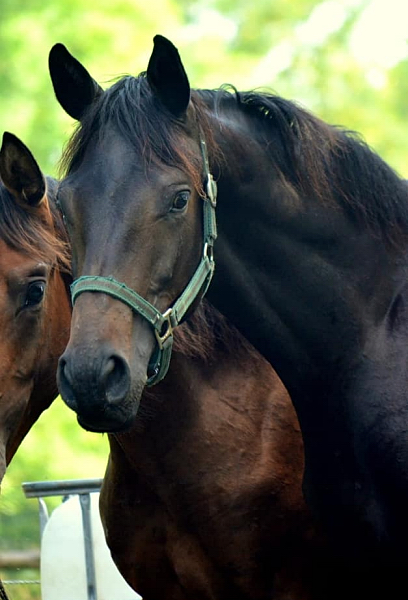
(167, 77)
(74, 88)
(20, 172)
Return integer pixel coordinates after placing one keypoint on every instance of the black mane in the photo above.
(321, 161)
(326, 162)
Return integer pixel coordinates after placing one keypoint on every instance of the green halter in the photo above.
(164, 323)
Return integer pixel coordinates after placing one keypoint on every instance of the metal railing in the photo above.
(67, 488)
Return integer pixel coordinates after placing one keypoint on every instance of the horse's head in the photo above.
(133, 200)
(34, 307)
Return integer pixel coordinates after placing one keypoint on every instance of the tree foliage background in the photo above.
(345, 60)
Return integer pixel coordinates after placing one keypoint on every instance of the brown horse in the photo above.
(202, 497)
(35, 309)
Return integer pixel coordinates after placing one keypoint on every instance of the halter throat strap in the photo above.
(164, 323)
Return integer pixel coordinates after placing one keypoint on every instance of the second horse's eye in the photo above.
(35, 293)
(180, 201)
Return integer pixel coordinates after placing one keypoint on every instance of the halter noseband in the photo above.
(164, 323)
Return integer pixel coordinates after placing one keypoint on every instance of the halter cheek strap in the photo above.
(164, 323)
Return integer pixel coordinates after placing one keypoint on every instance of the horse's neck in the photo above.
(297, 278)
(197, 415)
(326, 304)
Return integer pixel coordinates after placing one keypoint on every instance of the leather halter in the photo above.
(164, 323)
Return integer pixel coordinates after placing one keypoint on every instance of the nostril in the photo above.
(109, 367)
(62, 378)
(64, 383)
(116, 378)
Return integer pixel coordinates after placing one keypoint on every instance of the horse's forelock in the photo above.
(35, 231)
(132, 109)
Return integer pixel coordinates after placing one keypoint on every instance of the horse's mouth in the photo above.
(107, 425)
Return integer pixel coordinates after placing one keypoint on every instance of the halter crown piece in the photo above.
(164, 323)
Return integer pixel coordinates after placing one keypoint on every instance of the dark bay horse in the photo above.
(311, 262)
(35, 311)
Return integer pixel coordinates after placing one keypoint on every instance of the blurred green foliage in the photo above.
(304, 50)
(56, 448)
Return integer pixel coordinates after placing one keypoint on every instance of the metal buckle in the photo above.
(208, 252)
(161, 338)
(211, 190)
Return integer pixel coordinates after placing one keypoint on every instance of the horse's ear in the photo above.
(167, 77)
(74, 88)
(20, 172)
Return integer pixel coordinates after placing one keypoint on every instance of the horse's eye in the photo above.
(35, 293)
(180, 201)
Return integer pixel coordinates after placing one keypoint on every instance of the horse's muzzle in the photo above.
(98, 388)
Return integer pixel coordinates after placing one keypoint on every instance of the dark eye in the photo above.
(35, 293)
(180, 201)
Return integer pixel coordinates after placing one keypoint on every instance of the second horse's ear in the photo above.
(20, 172)
(167, 77)
(74, 88)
